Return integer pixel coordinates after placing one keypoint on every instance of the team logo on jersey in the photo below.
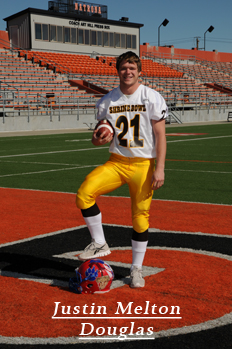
(127, 108)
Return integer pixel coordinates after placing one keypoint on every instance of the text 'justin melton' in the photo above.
(120, 309)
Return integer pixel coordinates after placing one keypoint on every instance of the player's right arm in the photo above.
(101, 140)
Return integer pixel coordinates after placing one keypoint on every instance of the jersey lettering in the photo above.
(127, 108)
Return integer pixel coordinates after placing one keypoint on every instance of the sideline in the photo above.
(64, 131)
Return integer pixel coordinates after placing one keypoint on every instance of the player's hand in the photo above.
(157, 179)
(102, 139)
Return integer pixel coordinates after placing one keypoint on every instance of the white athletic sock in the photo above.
(94, 225)
(138, 253)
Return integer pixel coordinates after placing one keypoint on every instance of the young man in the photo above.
(137, 114)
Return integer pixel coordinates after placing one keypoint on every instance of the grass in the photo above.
(198, 167)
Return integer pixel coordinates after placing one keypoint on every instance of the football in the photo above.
(104, 125)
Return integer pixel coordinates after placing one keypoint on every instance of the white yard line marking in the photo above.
(80, 167)
(197, 139)
(53, 152)
(54, 170)
(77, 140)
(96, 148)
(36, 162)
(173, 169)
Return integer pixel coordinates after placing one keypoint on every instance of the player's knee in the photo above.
(83, 200)
(140, 228)
(141, 222)
(79, 200)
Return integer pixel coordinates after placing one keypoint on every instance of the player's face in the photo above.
(128, 75)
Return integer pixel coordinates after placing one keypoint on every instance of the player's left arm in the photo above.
(160, 144)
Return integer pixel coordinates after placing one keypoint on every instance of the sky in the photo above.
(188, 20)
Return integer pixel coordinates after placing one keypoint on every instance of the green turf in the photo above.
(198, 167)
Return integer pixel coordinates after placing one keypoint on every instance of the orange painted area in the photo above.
(200, 285)
(186, 282)
(27, 213)
(171, 215)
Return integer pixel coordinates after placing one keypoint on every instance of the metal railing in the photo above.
(164, 57)
(7, 89)
(40, 105)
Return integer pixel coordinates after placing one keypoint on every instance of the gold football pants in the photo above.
(118, 170)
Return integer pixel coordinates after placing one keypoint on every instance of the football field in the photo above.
(198, 165)
(186, 302)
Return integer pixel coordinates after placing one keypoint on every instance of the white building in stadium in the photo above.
(73, 27)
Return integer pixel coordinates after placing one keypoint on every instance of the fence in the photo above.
(39, 105)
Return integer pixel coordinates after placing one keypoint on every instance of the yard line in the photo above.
(55, 170)
(54, 152)
(96, 148)
(197, 139)
(80, 167)
(173, 169)
(36, 162)
(77, 140)
(204, 161)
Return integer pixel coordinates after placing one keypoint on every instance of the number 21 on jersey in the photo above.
(123, 123)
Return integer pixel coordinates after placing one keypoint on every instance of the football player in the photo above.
(137, 114)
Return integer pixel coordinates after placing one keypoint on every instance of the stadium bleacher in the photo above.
(38, 80)
(24, 84)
